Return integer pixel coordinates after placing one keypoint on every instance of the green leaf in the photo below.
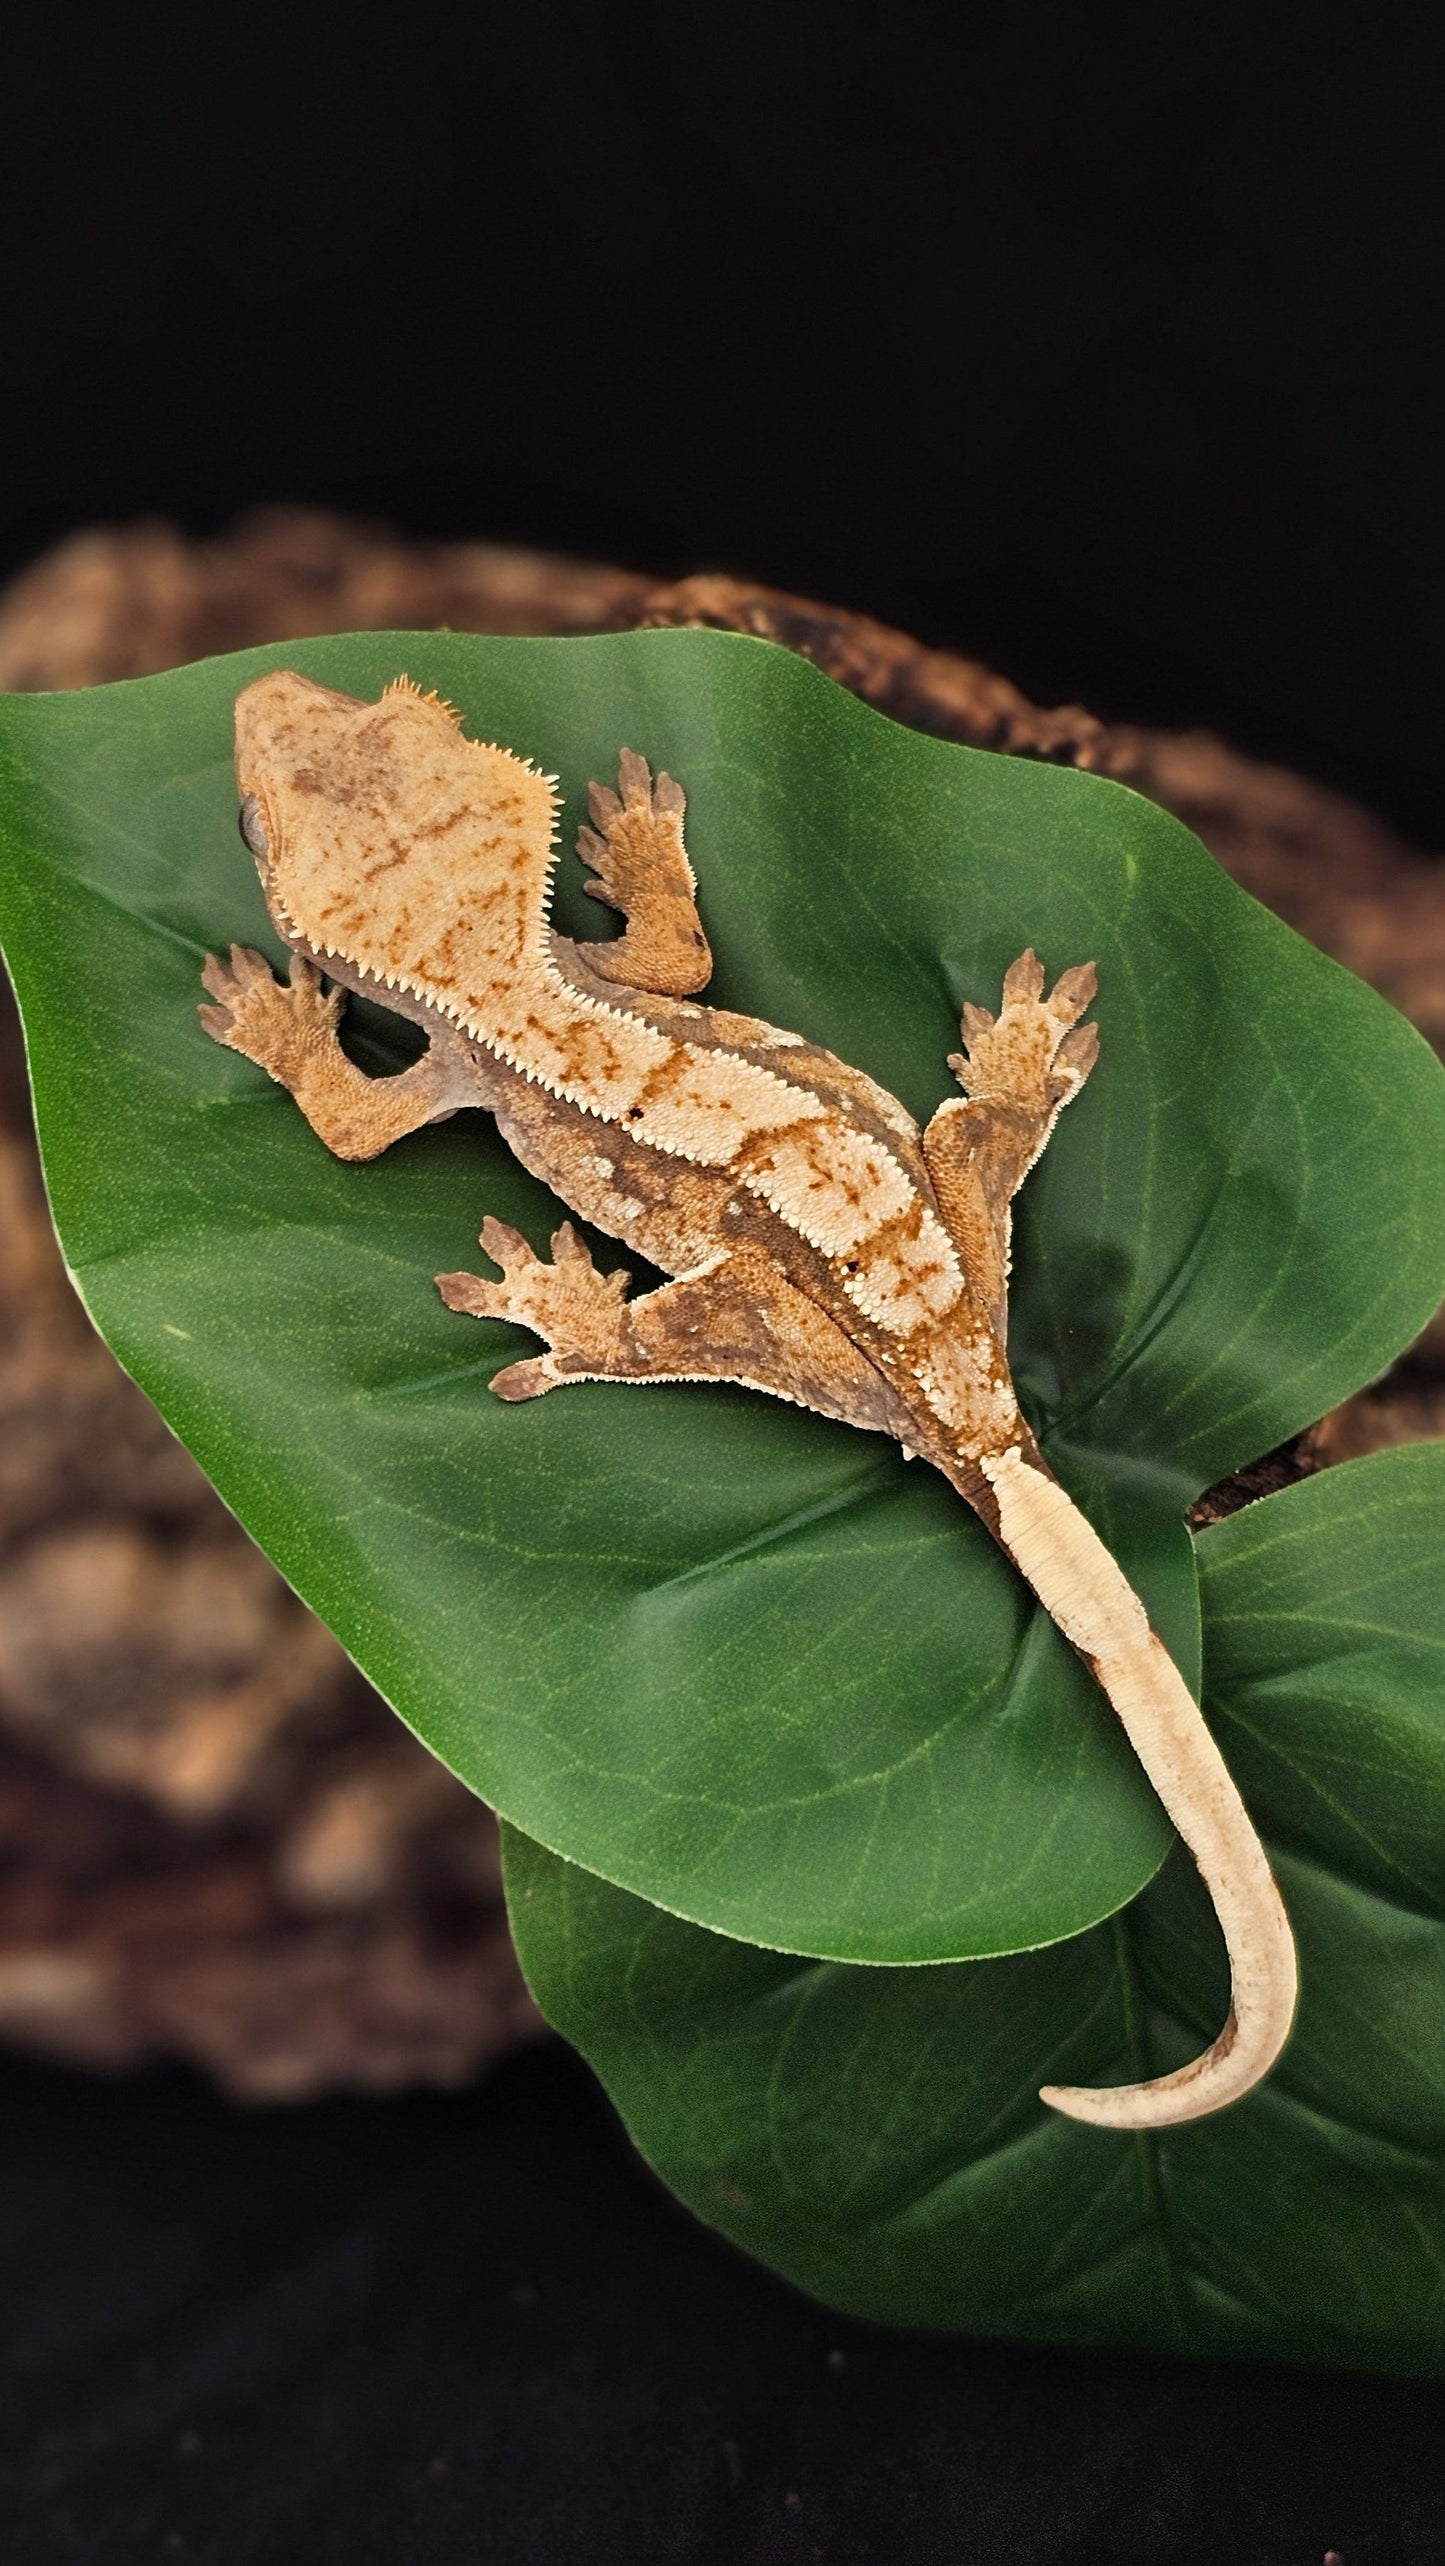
(875, 2133)
(743, 1662)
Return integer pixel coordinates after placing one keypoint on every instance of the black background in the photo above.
(465, 2331)
(1103, 342)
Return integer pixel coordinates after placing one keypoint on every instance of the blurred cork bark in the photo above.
(215, 1841)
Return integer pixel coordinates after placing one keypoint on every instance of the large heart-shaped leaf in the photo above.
(740, 1661)
(876, 2134)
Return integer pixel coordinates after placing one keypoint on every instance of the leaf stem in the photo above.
(1148, 2171)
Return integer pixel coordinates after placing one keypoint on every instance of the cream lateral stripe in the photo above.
(685, 1020)
(1085, 1591)
(605, 1059)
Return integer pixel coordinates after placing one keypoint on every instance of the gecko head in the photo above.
(292, 738)
(306, 754)
(363, 817)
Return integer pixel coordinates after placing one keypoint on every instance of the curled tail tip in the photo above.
(1097, 2104)
(1127, 2107)
(1224, 2074)
(1140, 2107)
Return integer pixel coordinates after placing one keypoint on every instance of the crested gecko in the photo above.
(821, 1246)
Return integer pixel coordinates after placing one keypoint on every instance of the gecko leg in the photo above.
(1019, 1070)
(636, 852)
(290, 1032)
(736, 1319)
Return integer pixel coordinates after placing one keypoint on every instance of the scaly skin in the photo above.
(823, 1247)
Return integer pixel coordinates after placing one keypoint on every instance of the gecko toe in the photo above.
(634, 775)
(528, 1380)
(472, 1294)
(1079, 1050)
(1073, 991)
(1024, 978)
(249, 967)
(504, 1245)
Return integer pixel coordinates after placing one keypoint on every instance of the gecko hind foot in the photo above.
(1034, 1053)
(569, 1303)
(272, 1022)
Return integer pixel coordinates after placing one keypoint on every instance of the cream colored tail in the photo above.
(1087, 1594)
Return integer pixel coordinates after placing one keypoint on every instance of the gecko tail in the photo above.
(1084, 1589)
(1220, 2075)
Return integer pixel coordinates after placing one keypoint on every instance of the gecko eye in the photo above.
(253, 826)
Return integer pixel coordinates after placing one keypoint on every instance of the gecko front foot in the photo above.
(277, 1025)
(575, 1308)
(635, 852)
(635, 845)
(1034, 1053)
